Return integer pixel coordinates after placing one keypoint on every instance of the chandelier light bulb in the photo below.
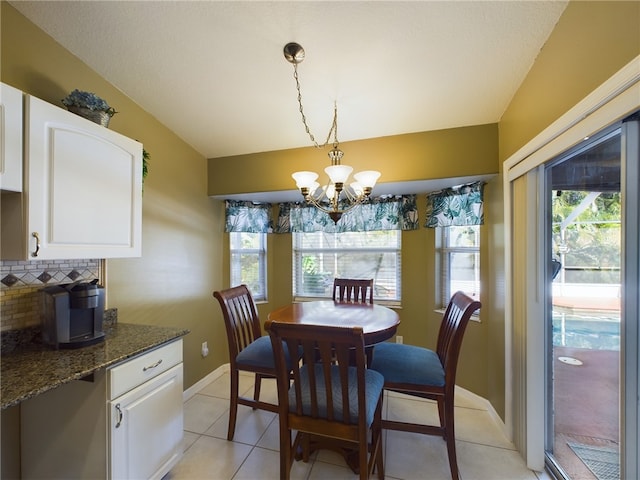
(313, 188)
(367, 178)
(305, 179)
(338, 173)
(329, 190)
(357, 188)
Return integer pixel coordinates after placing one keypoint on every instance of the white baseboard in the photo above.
(196, 387)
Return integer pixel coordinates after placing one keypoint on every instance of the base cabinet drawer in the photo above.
(143, 368)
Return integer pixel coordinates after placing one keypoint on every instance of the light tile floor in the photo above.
(484, 453)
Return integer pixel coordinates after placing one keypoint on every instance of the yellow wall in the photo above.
(439, 154)
(414, 156)
(591, 42)
(171, 284)
(173, 281)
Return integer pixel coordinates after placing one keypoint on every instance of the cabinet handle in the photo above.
(152, 366)
(119, 410)
(35, 235)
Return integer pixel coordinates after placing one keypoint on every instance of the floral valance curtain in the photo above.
(381, 213)
(251, 217)
(459, 206)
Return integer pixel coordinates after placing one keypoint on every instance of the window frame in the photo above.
(261, 251)
(443, 265)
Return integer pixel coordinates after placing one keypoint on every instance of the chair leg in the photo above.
(305, 442)
(233, 404)
(363, 456)
(377, 441)
(380, 464)
(287, 451)
(256, 388)
(368, 351)
(450, 438)
(442, 415)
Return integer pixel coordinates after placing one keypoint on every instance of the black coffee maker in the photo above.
(72, 314)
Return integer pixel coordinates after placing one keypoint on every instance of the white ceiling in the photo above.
(214, 73)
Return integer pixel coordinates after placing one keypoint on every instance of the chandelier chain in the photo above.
(334, 125)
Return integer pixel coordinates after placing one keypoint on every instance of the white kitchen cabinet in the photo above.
(144, 420)
(82, 190)
(125, 424)
(10, 138)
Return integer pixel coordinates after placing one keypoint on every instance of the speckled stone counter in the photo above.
(29, 368)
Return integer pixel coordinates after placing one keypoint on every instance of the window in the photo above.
(248, 262)
(318, 257)
(458, 258)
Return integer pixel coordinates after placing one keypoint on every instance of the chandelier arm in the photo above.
(310, 199)
(351, 195)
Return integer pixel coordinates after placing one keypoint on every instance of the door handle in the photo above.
(149, 367)
(119, 410)
(37, 237)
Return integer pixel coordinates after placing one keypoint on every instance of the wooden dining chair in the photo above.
(249, 350)
(352, 290)
(331, 403)
(424, 373)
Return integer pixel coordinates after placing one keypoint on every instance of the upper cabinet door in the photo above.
(10, 138)
(83, 186)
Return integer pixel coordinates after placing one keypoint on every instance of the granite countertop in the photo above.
(29, 368)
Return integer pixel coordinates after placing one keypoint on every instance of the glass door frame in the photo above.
(630, 306)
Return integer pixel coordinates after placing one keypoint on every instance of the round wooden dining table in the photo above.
(378, 323)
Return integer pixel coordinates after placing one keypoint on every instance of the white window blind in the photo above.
(248, 262)
(319, 257)
(458, 252)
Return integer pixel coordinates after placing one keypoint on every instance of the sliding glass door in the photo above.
(582, 328)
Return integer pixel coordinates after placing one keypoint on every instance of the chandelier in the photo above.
(336, 197)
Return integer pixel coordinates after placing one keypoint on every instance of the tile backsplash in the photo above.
(20, 282)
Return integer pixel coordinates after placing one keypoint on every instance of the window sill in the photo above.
(385, 303)
(474, 317)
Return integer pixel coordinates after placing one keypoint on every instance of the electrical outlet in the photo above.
(399, 339)
(205, 349)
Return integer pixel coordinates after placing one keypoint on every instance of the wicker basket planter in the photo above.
(99, 117)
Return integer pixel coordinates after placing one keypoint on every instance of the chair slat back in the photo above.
(325, 358)
(454, 323)
(353, 290)
(240, 317)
